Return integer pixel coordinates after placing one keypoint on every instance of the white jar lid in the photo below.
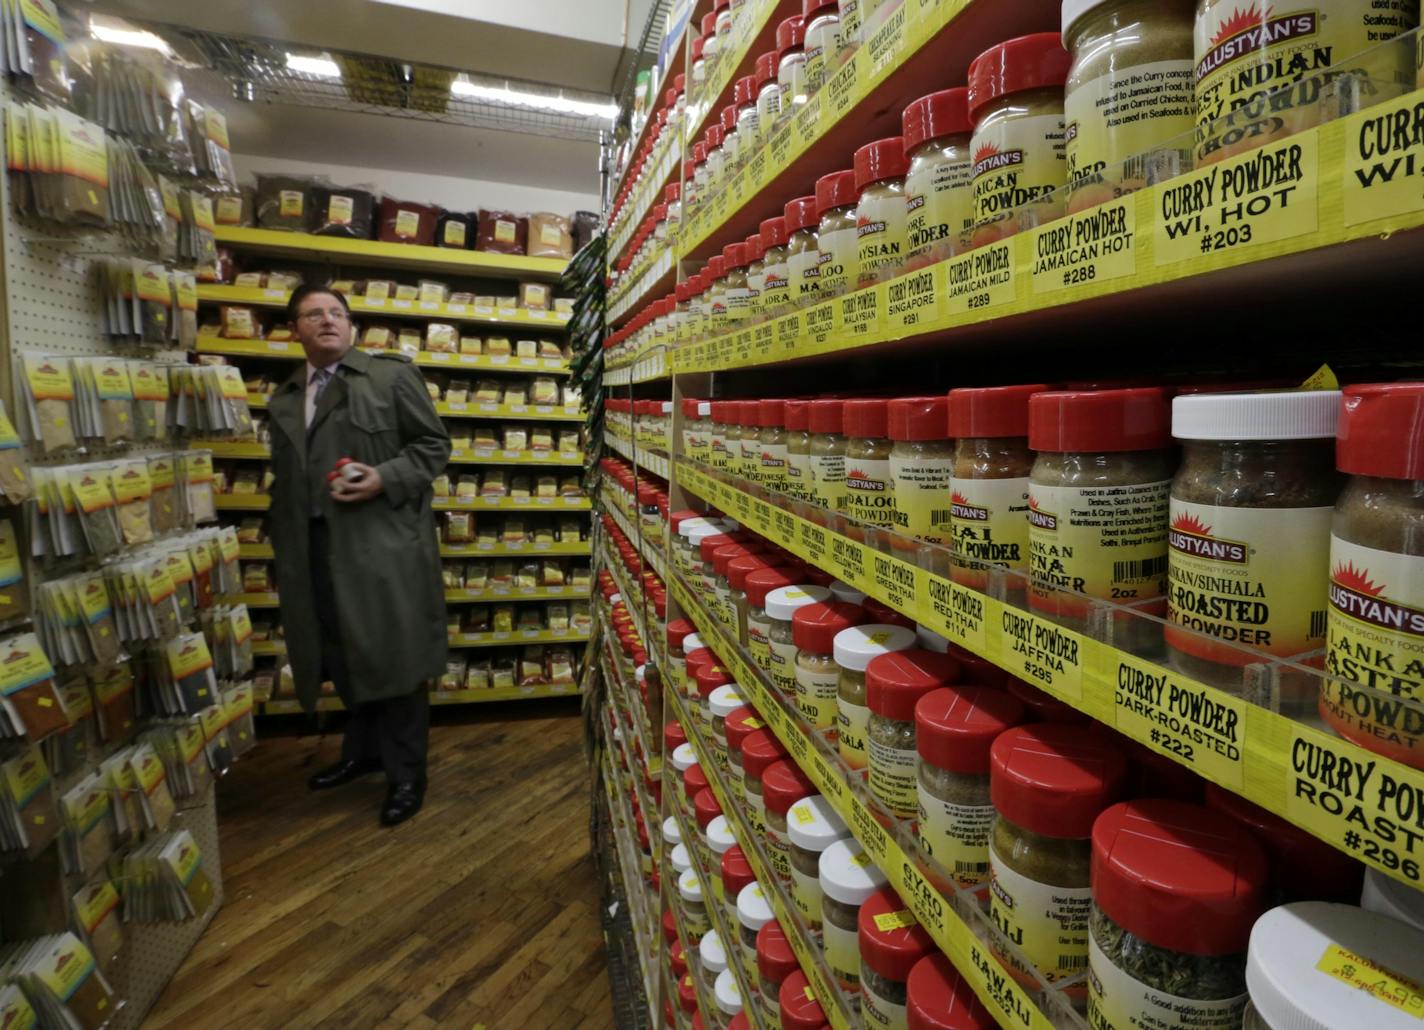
(687, 885)
(1282, 415)
(699, 533)
(690, 643)
(719, 835)
(813, 825)
(1389, 897)
(711, 951)
(686, 526)
(1288, 945)
(728, 994)
(667, 407)
(704, 408)
(683, 757)
(930, 640)
(843, 591)
(614, 599)
(847, 873)
(681, 859)
(856, 646)
(640, 673)
(753, 908)
(782, 602)
(672, 833)
(725, 700)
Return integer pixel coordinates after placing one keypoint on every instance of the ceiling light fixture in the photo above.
(112, 30)
(503, 95)
(321, 67)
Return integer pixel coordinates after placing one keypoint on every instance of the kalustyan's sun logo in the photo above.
(1189, 523)
(1240, 21)
(1357, 580)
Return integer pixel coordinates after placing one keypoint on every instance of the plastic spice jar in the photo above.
(848, 879)
(711, 957)
(753, 913)
(823, 41)
(791, 64)
(738, 569)
(1016, 105)
(939, 190)
(1175, 893)
(1375, 653)
(760, 751)
(774, 293)
(721, 703)
(683, 759)
(709, 678)
(798, 1006)
(705, 809)
(687, 999)
(731, 144)
(892, 943)
(921, 460)
(717, 294)
(826, 421)
(803, 256)
(1106, 452)
(722, 559)
(814, 629)
(894, 684)
(720, 840)
(812, 826)
(744, 97)
(750, 465)
(783, 784)
(838, 257)
(759, 584)
(954, 730)
(1314, 964)
(768, 94)
(678, 630)
(937, 997)
(741, 724)
(716, 160)
(796, 415)
(1248, 557)
(736, 290)
(868, 493)
(1048, 783)
(1384, 894)
(843, 591)
(1241, 54)
(719, 456)
(771, 419)
(1128, 92)
(775, 961)
(756, 274)
(880, 213)
(989, 483)
(735, 873)
(694, 911)
(728, 996)
(722, 24)
(680, 859)
(854, 649)
(781, 606)
(696, 424)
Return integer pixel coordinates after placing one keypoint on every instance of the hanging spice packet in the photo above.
(219, 747)
(114, 702)
(180, 571)
(88, 826)
(241, 729)
(14, 470)
(154, 287)
(60, 977)
(94, 503)
(14, 596)
(98, 619)
(32, 703)
(160, 593)
(71, 749)
(231, 572)
(96, 916)
(28, 816)
(191, 667)
(201, 505)
(49, 399)
(132, 494)
(152, 777)
(185, 318)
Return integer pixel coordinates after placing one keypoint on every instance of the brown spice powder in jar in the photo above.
(813, 630)
(783, 784)
(803, 256)
(892, 942)
(894, 683)
(868, 493)
(826, 421)
(760, 750)
(798, 451)
(939, 191)
(813, 826)
(759, 584)
(848, 879)
(838, 256)
(775, 291)
(921, 459)
(854, 649)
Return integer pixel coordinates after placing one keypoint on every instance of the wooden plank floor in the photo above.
(483, 909)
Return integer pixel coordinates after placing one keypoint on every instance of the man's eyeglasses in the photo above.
(313, 317)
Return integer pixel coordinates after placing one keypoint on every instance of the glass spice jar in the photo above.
(722, 702)
(1175, 894)
(803, 255)
(843, 591)
(749, 468)
(697, 193)
(783, 784)
(814, 629)
(848, 880)
(775, 293)
(678, 630)
(1248, 558)
(756, 275)
(705, 808)
(954, 729)
(768, 95)
(854, 650)
(939, 190)
(894, 684)
(737, 290)
(704, 575)
(1048, 783)
(826, 421)
(938, 997)
(740, 724)
(776, 960)
(838, 258)
(698, 657)
(921, 460)
(790, 65)
(1098, 503)
(721, 584)
(892, 942)
(717, 435)
(868, 493)
(760, 750)
(711, 959)
(823, 41)
(798, 449)
(753, 913)
(812, 826)
(781, 606)
(759, 584)
(716, 158)
(881, 212)
(680, 859)
(694, 910)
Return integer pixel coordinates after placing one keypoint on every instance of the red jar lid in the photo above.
(819, 577)
(764, 581)
(783, 784)
(1029, 62)
(689, 404)
(740, 567)
(721, 411)
(682, 293)
(698, 44)
(775, 959)
(716, 267)
(706, 806)
(687, 995)
(799, 1008)
(709, 544)
(734, 255)
(677, 957)
(1177, 876)
(694, 781)
(678, 630)
(679, 81)
(773, 233)
(936, 116)
(790, 35)
(990, 411)
(771, 413)
(825, 416)
(760, 750)
(765, 68)
(710, 677)
(891, 940)
(879, 611)
(881, 160)
(672, 193)
(756, 250)
(800, 214)
(867, 418)
(716, 135)
(699, 657)
(699, 154)
(955, 726)
(1381, 431)
(811, 8)
(709, 22)
(723, 556)
(1135, 419)
(1054, 779)
(739, 1022)
(1302, 865)
(669, 926)
(736, 871)
(744, 91)
(740, 725)
(674, 736)
(939, 998)
(728, 119)
(895, 682)
(814, 626)
(797, 413)
(975, 669)
(835, 190)
(918, 418)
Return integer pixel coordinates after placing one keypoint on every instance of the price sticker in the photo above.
(886, 45)
(860, 313)
(912, 300)
(1042, 652)
(979, 282)
(1093, 247)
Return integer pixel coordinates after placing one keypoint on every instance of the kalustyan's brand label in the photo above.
(775, 291)
(772, 466)
(816, 696)
(892, 776)
(956, 836)
(988, 521)
(842, 955)
(1384, 155)
(869, 495)
(881, 231)
(939, 206)
(823, 47)
(920, 487)
(1377, 980)
(1246, 576)
(1018, 161)
(852, 727)
(838, 258)
(1118, 1001)
(804, 273)
(881, 1013)
(828, 480)
(1092, 247)
(798, 475)
(1048, 923)
(1375, 631)
(980, 281)
(1117, 123)
(783, 667)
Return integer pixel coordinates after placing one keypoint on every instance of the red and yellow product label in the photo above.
(881, 230)
(852, 728)
(1048, 923)
(939, 205)
(49, 378)
(988, 521)
(1017, 161)
(869, 493)
(921, 492)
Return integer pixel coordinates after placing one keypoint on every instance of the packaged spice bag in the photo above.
(197, 479)
(114, 702)
(28, 687)
(27, 802)
(502, 232)
(94, 504)
(15, 482)
(88, 826)
(218, 746)
(550, 235)
(238, 707)
(342, 211)
(92, 598)
(163, 499)
(285, 202)
(96, 915)
(132, 493)
(60, 975)
(185, 314)
(49, 395)
(14, 595)
(154, 796)
(149, 385)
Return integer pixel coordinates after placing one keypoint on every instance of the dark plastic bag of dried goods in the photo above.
(343, 211)
(502, 232)
(455, 229)
(585, 228)
(403, 221)
(285, 202)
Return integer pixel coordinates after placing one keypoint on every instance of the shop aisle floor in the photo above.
(483, 909)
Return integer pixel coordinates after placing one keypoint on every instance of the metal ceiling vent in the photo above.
(272, 72)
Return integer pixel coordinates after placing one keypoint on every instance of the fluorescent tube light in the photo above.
(463, 87)
(111, 30)
(322, 67)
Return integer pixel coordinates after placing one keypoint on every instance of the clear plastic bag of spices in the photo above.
(848, 879)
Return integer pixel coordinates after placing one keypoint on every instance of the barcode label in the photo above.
(1145, 568)
(939, 517)
(1070, 963)
(971, 867)
(1317, 623)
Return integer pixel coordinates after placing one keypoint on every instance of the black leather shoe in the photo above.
(403, 800)
(343, 772)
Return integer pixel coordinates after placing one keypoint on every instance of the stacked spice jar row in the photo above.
(1089, 852)
(1269, 526)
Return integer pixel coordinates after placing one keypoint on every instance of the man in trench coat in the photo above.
(357, 562)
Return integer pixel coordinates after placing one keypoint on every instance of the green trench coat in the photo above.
(385, 560)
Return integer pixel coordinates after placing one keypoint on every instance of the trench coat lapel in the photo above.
(355, 361)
